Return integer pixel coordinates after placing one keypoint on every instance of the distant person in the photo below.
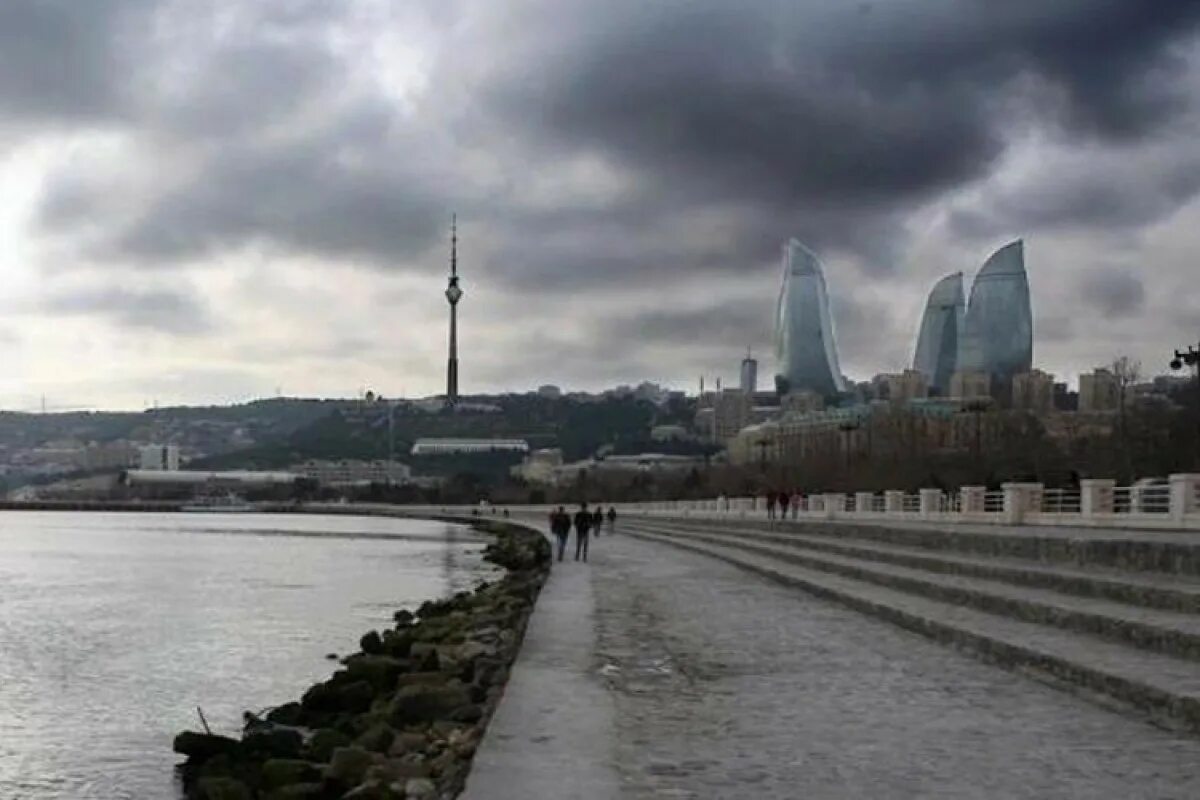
(598, 520)
(771, 499)
(560, 526)
(583, 525)
(783, 504)
(506, 512)
(612, 520)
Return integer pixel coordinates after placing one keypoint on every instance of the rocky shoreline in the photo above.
(402, 718)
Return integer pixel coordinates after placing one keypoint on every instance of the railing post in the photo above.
(1184, 488)
(930, 502)
(974, 499)
(863, 502)
(893, 501)
(1096, 496)
(835, 505)
(1020, 499)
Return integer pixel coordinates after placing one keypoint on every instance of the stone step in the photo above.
(1168, 632)
(1165, 689)
(1166, 592)
(1174, 553)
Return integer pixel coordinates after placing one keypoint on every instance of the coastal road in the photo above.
(690, 678)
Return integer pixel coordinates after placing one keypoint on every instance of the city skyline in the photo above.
(204, 203)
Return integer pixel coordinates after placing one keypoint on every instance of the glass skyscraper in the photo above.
(998, 328)
(805, 347)
(941, 328)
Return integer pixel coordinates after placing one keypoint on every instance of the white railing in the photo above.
(1173, 503)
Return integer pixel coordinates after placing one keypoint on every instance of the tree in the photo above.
(1126, 372)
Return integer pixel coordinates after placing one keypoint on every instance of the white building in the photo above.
(159, 457)
(437, 447)
(349, 472)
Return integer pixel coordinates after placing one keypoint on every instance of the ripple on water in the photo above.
(115, 627)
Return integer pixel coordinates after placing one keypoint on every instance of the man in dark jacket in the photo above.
(583, 524)
(597, 520)
(560, 526)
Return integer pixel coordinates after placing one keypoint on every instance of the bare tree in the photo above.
(1126, 372)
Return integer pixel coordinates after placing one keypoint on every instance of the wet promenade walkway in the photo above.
(658, 672)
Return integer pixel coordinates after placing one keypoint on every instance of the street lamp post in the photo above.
(1191, 358)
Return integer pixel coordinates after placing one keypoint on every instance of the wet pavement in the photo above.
(706, 681)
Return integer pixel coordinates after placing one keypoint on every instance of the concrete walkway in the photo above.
(552, 735)
(653, 672)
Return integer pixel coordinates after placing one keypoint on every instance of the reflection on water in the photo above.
(115, 627)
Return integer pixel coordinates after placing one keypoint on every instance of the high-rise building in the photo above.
(749, 374)
(941, 329)
(1033, 391)
(998, 327)
(1099, 391)
(805, 347)
(159, 457)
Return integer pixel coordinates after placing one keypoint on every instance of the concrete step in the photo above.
(1165, 689)
(1167, 632)
(1152, 590)
(1173, 553)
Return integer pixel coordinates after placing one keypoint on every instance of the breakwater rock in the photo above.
(403, 716)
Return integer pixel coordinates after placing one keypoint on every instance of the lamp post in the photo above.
(1191, 358)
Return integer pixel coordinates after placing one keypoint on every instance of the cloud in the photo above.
(1114, 294)
(616, 155)
(160, 311)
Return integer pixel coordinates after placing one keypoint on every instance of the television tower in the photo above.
(453, 295)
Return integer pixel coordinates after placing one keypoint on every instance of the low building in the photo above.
(970, 384)
(801, 402)
(908, 385)
(159, 457)
(351, 472)
(539, 466)
(449, 446)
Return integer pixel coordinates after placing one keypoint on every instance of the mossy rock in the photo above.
(278, 772)
(324, 741)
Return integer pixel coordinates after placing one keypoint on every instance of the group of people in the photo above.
(585, 522)
(782, 501)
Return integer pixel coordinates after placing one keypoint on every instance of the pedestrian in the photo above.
(583, 524)
(783, 504)
(598, 520)
(560, 526)
(612, 520)
(771, 498)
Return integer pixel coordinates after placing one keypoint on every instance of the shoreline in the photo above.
(403, 716)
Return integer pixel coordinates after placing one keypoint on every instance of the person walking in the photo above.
(783, 505)
(598, 520)
(771, 498)
(612, 520)
(560, 526)
(583, 524)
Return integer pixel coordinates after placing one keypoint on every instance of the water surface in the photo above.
(115, 627)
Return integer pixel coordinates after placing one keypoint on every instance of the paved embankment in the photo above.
(705, 680)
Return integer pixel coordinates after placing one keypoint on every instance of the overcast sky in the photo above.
(213, 200)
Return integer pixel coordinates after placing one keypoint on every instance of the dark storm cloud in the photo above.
(825, 119)
(1113, 293)
(142, 309)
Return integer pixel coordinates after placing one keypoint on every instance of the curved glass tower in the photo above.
(941, 329)
(998, 329)
(805, 348)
